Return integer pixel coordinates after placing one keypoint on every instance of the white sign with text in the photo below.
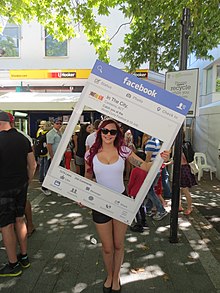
(184, 83)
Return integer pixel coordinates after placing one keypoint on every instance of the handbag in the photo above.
(194, 167)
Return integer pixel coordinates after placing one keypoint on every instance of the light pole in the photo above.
(186, 24)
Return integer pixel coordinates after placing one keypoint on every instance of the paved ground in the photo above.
(63, 259)
(206, 198)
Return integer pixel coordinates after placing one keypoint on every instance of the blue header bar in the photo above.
(141, 87)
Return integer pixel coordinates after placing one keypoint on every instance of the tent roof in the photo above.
(38, 101)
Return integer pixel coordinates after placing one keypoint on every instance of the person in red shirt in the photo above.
(136, 180)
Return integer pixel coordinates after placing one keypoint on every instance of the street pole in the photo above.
(185, 22)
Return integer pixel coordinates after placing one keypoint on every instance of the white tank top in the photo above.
(111, 175)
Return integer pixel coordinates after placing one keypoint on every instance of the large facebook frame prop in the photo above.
(131, 101)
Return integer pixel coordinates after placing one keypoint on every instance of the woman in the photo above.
(85, 130)
(106, 159)
(187, 180)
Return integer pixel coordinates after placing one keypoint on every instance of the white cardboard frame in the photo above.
(131, 101)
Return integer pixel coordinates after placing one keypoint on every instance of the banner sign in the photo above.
(135, 103)
(185, 84)
(62, 73)
(48, 74)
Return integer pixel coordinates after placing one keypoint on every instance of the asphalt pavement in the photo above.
(66, 259)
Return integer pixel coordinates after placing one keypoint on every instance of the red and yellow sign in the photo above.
(50, 74)
(63, 73)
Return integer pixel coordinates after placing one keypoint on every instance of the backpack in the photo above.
(188, 151)
(40, 146)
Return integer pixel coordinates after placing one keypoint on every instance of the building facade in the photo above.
(209, 72)
(31, 60)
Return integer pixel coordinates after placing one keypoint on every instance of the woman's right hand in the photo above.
(80, 204)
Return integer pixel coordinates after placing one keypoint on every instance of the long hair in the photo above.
(83, 133)
(118, 142)
(81, 138)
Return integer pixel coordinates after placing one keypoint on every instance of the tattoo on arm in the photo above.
(135, 162)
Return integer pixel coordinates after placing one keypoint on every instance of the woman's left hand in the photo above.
(165, 155)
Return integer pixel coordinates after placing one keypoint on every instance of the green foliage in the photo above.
(55, 48)
(154, 31)
(157, 25)
(9, 47)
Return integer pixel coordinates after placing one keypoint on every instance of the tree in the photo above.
(55, 48)
(8, 45)
(155, 26)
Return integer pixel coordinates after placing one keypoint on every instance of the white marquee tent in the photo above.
(31, 101)
(207, 133)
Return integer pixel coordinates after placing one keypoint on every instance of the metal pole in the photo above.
(185, 22)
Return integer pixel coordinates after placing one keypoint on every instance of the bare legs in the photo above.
(10, 240)
(119, 230)
(112, 236)
(187, 194)
(21, 231)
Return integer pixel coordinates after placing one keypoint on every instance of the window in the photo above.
(9, 40)
(218, 79)
(53, 47)
(209, 81)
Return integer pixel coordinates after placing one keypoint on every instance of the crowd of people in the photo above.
(105, 151)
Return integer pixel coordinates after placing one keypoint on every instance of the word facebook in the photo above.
(139, 87)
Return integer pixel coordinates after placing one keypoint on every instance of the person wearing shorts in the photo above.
(17, 167)
(106, 161)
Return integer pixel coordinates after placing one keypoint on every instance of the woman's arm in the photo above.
(88, 174)
(138, 162)
(31, 166)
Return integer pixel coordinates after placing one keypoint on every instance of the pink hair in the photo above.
(118, 142)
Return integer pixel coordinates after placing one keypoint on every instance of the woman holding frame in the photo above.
(106, 160)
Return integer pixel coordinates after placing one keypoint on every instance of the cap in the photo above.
(4, 116)
(43, 122)
(77, 128)
(57, 120)
(11, 117)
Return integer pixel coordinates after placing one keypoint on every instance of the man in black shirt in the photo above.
(17, 167)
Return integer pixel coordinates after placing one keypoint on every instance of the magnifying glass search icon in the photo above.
(99, 67)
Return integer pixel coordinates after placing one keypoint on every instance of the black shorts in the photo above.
(12, 204)
(100, 218)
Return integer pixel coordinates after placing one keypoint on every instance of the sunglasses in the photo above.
(111, 131)
(58, 123)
